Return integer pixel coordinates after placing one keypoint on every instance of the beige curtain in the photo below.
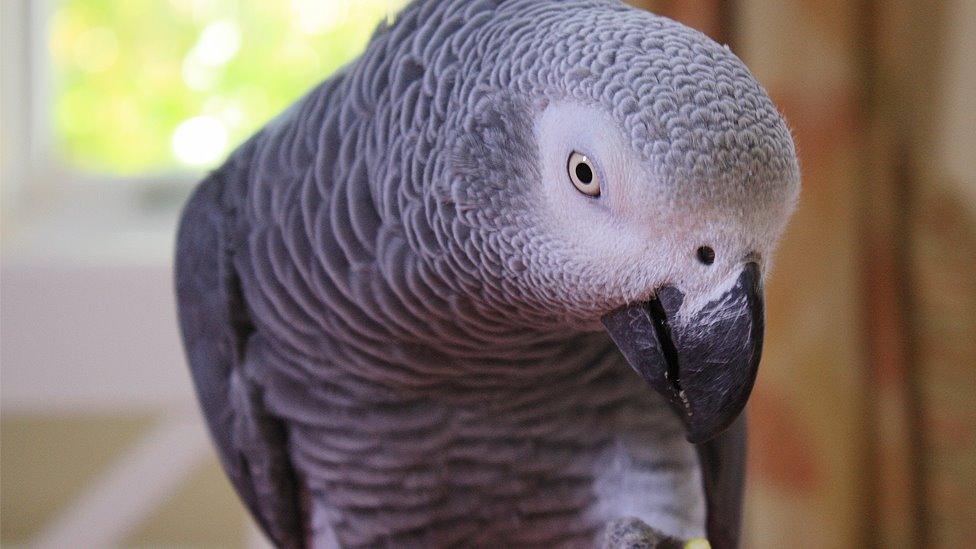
(863, 426)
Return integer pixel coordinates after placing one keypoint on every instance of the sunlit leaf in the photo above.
(150, 86)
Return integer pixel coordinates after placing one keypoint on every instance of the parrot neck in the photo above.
(393, 319)
(334, 273)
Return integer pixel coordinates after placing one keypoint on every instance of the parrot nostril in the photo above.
(706, 255)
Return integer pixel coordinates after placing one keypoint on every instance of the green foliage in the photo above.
(128, 73)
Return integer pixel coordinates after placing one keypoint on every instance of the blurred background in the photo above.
(863, 422)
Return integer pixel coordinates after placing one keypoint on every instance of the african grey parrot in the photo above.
(414, 303)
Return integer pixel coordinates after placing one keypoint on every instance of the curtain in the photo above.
(863, 431)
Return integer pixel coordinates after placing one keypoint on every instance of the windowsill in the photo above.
(96, 224)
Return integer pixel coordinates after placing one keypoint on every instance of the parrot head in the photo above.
(614, 170)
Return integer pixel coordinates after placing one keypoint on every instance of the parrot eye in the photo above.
(706, 255)
(583, 175)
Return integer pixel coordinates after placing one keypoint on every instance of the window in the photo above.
(140, 89)
(112, 110)
(151, 86)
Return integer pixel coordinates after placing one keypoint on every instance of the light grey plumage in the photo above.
(391, 295)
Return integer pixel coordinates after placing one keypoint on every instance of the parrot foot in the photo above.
(633, 533)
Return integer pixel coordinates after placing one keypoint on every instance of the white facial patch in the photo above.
(637, 235)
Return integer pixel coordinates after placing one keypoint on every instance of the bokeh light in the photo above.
(199, 141)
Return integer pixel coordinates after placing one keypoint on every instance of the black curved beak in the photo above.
(704, 364)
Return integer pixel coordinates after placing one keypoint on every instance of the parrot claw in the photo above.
(633, 533)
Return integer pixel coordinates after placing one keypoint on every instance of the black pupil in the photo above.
(584, 173)
(706, 255)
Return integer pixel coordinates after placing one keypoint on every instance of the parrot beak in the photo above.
(705, 364)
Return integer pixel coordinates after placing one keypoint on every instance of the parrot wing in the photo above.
(216, 328)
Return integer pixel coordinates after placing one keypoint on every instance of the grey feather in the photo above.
(217, 334)
(375, 315)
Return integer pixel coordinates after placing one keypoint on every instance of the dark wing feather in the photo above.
(215, 325)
